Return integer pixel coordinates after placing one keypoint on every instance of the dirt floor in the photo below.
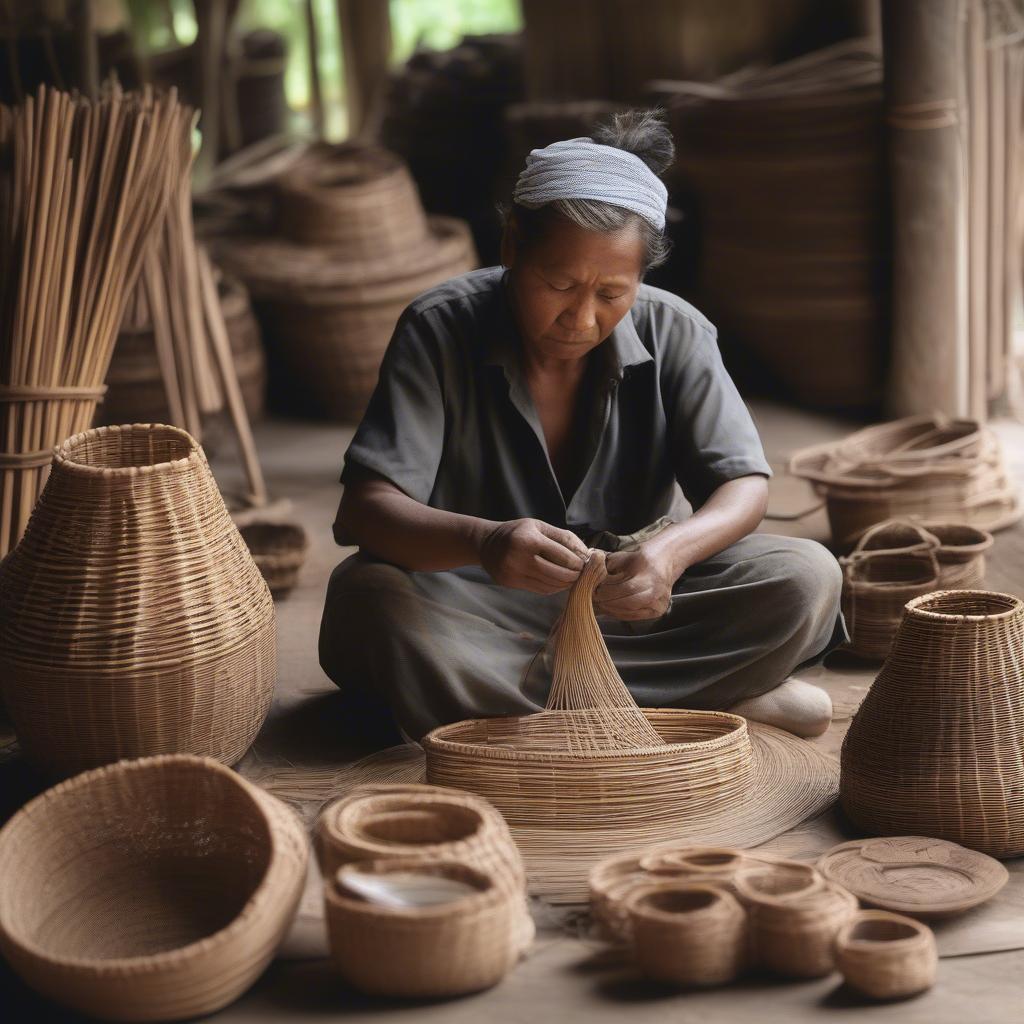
(569, 975)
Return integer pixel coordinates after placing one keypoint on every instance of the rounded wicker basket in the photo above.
(688, 934)
(886, 956)
(278, 549)
(793, 919)
(133, 620)
(934, 749)
(447, 949)
(155, 889)
(424, 823)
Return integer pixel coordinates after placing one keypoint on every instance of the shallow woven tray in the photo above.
(914, 875)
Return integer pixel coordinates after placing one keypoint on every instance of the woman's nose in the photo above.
(580, 316)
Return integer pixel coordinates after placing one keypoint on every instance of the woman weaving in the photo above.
(529, 411)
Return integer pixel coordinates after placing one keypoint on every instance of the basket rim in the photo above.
(437, 742)
(636, 902)
(918, 606)
(845, 941)
(64, 454)
(156, 962)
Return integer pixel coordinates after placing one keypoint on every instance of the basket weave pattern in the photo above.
(886, 956)
(133, 620)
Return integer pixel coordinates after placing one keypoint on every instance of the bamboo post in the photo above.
(316, 102)
(365, 28)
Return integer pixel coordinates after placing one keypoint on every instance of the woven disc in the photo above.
(914, 875)
(793, 781)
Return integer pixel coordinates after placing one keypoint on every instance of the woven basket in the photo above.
(429, 824)
(133, 620)
(278, 549)
(688, 934)
(155, 889)
(935, 469)
(935, 749)
(793, 920)
(886, 956)
(33, 421)
(615, 879)
(448, 949)
(360, 201)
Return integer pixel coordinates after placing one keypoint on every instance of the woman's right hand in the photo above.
(529, 554)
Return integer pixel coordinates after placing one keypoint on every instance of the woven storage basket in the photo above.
(793, 920)
(429, 824)
(614, 880)
(936, 469)
(886, 956)
(935, 748)
(133, 620)
(155, 889)
(688, 934)
(361, 201)
(278, 549)
(448, 949)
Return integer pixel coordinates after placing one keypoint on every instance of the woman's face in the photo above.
(573, 286)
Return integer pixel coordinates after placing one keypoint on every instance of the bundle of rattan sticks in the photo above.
(84, 184)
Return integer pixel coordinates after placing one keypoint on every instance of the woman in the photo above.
(529, 411)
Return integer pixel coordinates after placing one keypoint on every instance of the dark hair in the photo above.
(641, 132)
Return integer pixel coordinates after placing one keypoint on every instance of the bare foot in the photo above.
(796, 706)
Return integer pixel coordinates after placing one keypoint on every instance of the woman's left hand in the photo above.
(639, 586)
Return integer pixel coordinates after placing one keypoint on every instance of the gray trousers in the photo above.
(440, 647)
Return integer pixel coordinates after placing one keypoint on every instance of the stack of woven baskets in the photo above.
(353, 248)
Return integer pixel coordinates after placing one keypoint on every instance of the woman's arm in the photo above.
(639, 584)
(523, 553)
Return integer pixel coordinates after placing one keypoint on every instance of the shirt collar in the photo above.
(624, 347)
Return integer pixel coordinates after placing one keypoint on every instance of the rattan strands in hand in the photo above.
(133, 620)
(935, 748)
(886, 956)
(155, 889)
(447, 949)
(424, 823)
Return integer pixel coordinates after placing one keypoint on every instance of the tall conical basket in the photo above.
(133, 620)
(935, 749)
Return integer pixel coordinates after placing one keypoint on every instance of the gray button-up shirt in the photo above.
(452, 423)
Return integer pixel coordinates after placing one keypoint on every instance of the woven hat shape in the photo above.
(133, 620)
(155, 889)
(935, 748)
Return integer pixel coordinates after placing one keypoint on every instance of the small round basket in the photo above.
(149, 890)
(445, 949)
(278, 549)
(688, 934)
(886, 956)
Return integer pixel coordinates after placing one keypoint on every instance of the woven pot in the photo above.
(133, 620)
(426, 823)
(886, 956)
(360, 201)
(278, 549)
(793, 920)
(935, 748)
(935, 469)
(688, 934)
(448, 949)
(155, 889)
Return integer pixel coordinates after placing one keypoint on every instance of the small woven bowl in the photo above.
(446, 949)
(278, 549)
(688, 934)
(886, 956)
(149, 890)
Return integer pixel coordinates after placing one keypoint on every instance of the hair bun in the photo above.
(643, 133)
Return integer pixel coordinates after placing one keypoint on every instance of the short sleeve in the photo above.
(712, 435)
(402, 432)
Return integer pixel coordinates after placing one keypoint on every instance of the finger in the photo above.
(643, 605)
(539, 585)
(566, 538)
(621, 588)
(558, 553)
(546, 570)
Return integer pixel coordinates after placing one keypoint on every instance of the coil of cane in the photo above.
(614, 880)
(932, 468)
(278, 549)
(935, 747)
(446, 949)
(424, 823)
(688, 933)
(155, 889)
(886, 956)
(793, 917)
(133, 620)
